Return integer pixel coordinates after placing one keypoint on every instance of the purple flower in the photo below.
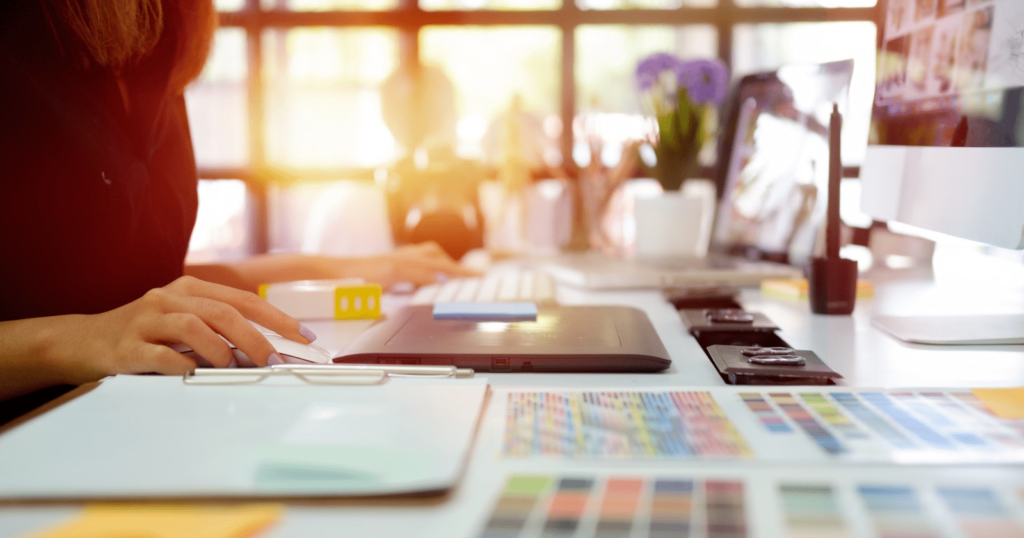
(650, 68)
(705, 80)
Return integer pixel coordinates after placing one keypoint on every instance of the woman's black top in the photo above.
(96, 203)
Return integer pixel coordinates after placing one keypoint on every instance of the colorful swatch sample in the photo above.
(620, 425)
(895, 512)
(879, 425)
(567, 507)
(1005, 403)
(937, 417)
(765, 413)
(618, 507)
(515, 505)
(906, 420)
(976, 403)
(684, 507)
(980, 514)
(808, 423)
(831, 415)
(671, 509)
(725, 510)
(811, 512)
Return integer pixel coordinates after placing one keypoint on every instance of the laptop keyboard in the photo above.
(519, 285)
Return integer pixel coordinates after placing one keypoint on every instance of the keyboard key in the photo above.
(467, 291)
(509, 290)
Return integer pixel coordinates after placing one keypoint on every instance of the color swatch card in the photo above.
(625, 507)
(621, 425)
(791, 424)
(582, 506)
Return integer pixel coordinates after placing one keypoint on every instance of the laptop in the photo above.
(772, 182)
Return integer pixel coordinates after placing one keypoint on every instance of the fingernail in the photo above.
(274, 359)
(308, 334)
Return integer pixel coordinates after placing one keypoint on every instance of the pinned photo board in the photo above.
(150, 437)
(804, 424)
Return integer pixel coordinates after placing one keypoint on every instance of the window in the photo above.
(315, 90)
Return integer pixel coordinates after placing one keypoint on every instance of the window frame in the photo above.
(408, 18)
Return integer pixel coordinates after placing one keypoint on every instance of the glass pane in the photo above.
(323, 99)
(643, 4)
(606, 59)
(221, 227)
(327, 5)
(504, 5)
(767, 46)
(606, 93)
(217, 104)
(488, 68)
(229, 5)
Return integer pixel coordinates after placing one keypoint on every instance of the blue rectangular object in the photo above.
(486, 311)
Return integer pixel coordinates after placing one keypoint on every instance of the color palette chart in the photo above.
(901, 426)
(685, 424)
(799, 424)
(538, 506)
(617, 507)
(897, 511)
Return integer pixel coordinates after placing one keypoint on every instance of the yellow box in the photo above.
(357, 302)
(325, 299)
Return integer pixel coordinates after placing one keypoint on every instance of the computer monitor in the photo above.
(775, 155)
(947, 139)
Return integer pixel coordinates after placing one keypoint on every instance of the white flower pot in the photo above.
(675, 224)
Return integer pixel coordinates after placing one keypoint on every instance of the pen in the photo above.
(390, 369)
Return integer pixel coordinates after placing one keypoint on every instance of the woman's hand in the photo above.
(134, 337)
(75, 349)
(424, 263)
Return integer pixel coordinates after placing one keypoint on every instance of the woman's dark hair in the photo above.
(119, 33)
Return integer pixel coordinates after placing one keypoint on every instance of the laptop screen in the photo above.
(776, 175)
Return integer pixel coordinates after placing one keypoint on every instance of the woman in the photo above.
(98, 199)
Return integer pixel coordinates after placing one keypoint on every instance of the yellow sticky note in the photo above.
(797, 289)
(167, 521)
(1005, 403)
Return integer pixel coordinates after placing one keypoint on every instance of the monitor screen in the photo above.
(950, 73)
(776, 181)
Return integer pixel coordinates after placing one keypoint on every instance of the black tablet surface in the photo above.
(562, 339)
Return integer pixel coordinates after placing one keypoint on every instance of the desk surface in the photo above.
(862, 354)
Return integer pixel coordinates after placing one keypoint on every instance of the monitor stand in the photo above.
(954, 330)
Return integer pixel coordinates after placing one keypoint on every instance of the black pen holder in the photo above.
(832, 285)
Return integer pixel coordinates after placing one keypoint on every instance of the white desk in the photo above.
(866, 357)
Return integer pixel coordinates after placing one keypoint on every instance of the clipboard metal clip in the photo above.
(317, 374)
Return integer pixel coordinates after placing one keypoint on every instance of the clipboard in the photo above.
(156, 438)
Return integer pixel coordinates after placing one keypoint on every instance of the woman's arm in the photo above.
(418, 264)
(41, 352)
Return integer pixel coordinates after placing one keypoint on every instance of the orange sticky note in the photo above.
(167, 521)
(1005, 403)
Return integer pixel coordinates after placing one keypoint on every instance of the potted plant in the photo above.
(682, 97)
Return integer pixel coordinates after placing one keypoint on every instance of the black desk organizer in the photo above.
(730, 336)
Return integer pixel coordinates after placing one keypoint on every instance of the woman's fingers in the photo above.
(429, 250)
(447, 268)
(191, 330)
(248, 305)
(161, 359)
(224, 319)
